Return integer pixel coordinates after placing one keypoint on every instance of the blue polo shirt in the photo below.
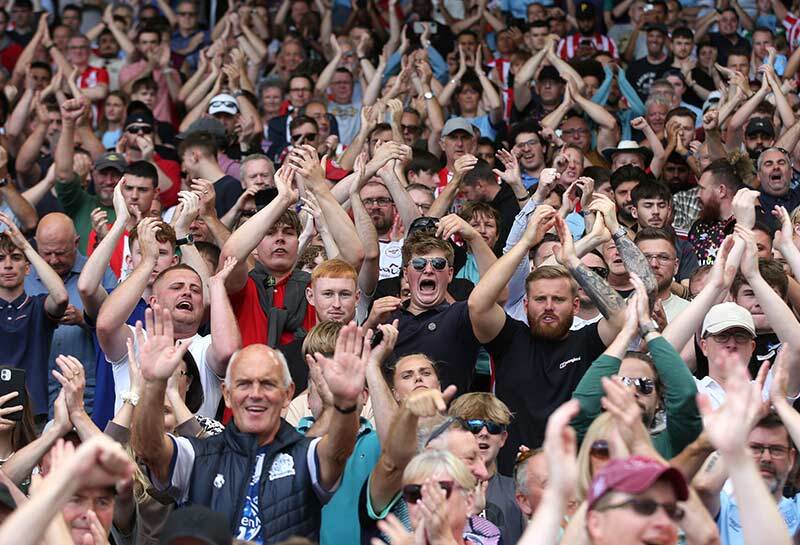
(729, 522)
(340, 517)
(27, 331)
(72, 340)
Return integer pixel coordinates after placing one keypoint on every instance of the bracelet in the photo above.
(646, 329)
(349, 410)
(620, 232)
(523, 199)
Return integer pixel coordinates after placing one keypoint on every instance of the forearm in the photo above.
(608, 300)
(117, 308)
(186, 89)
(18, 120)
(326, 75)
(406, 207)
(348, 160)
(590, 391)
(244, 240)
(384, 405)
(90, 281)
(445, 199)
(715, 146)
(89, 141)
(35, 194)
(691, 459)
(30, 150)
(636, 263)
(788, 140)
(488, 291)
(84, 425)
(778, 313)
(337, 445)
(148, 440)
(598, 114)
(545, 526)
(18, 468)
(629, 92)
(225, 336)
(741, 116)
(57, 298)
(24, 211)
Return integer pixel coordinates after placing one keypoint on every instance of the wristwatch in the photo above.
(130, 397)
(620, 232)
(188, 240)
(428, 95)
(3, 182)
(649, 327)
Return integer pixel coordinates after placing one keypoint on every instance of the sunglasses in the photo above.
(438, 263)
(647, 507)
(599, 449)
(306, 136)
(643, 385)
(412, 493)
(142, 129)
(444, 426)
(224, 104)
(475, 425)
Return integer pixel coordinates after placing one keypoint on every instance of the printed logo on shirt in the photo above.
(219, 481)
(563, 364)
(283, 466)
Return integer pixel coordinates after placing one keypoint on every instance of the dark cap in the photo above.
(142, 116)
(657, 26)
(113, 160)
(760, 125)
(585, 10)
(550, 73)
(197, 522)
(635, 475)
(210, 125)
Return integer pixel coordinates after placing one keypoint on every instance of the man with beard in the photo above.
(717, 186)
(652, 207)
(642, 72)
(623, 182)
(538, 365)
(774, 178)
(758, 136)
(530, 151)
(770, 444)
(672, 420)
(658, 247)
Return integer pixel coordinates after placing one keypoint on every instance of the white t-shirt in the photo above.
(212, 384)
(673, 305)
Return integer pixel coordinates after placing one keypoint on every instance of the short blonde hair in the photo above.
(322, 338)
(427, 463)
(481, 405)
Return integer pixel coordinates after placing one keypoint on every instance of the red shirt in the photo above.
(118, 257)
(10, 55)
(172, 169)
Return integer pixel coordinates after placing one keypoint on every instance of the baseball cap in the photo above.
(210, 125)
(760, 125)
(727, 316)
(550, 73)
(111, 159)
(585, 10)
(144, 117)
(712, 100)
(197, 522)
(635, 475)
(223, 104)
(457, 124)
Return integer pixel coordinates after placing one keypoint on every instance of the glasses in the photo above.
(475, 425)
(739, 338)
(380, 201)
(412, 493)
(661, 258)
(602, 272)
(304, 137)
(599, 449)
(643, 385)
(529, 144)
(646, 507)
(140, 129)
(224, 104)
(775, 451)
(419, 263)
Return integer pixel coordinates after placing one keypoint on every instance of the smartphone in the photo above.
(377, 337)
(265, 196)
(648, 7)
(13, 380)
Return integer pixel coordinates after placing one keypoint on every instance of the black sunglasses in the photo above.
(646, 507)
(301, 137)
(419, 263)
(643, 385)
(412, 493)
(599, 449)
(475, 425)
(140, 129)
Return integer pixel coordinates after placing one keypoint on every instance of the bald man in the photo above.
(57, 243)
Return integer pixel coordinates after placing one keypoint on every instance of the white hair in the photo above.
(287, 375)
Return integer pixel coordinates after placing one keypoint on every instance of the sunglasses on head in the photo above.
(412, 493)
(599, 449)
(438, 263)
(140, 129)
(224, 104)
(646, 507)
(643, 385)
(475, 425)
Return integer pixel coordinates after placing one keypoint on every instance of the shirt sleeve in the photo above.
(590, 391)
(313, 467)
(71, 195)
(180, 470)
(498, 346)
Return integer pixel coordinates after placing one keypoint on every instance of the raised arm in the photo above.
(447, 196)
(326, 75)
(225, 336)
(370, 268)
(21, 208)
(490, 96)
(488, 318)
(523, 78)
(71, 376)
(402, 200)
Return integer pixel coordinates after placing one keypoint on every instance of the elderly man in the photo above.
(774, 177)
(57, 243)
(290, 476)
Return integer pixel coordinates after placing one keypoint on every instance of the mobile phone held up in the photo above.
(13, 380)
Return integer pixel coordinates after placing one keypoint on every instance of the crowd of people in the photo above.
(399, 272)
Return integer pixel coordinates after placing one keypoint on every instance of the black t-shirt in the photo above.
(641, 73)
(703, 80)
(724, 46)
(228, 190)
(535, 376)
(507, 205)
(767, 345)
(444, 334)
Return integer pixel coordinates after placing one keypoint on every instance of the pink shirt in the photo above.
(163, 106)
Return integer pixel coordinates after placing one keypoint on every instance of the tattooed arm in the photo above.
(608, 301)
(709, 482)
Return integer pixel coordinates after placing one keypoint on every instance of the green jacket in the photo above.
(78, 205)
(683, 419)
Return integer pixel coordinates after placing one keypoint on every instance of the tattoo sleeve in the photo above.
(606, 298)
(635, 262)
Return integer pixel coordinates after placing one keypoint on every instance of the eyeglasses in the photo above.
(529, 144)
(412, 493)
(775, 451)
(646, 507)
(739, 338)
(224, 104)
(380, 201)
(602, 272)
(643, 385)
(419, 263)
(661, 258)
(139, 129)
(475, 425)
(599, 449)
(304, 137)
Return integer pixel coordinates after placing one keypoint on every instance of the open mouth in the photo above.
(427, 286)
(549, 319)
(483, 446)
(255, 410)
(279, 252)
(185, 304)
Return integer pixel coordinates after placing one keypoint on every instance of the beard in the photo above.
(709, 212)
(625, 215)
(550, 332)
(773, 483)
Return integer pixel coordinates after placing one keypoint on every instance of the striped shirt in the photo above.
(568, 46)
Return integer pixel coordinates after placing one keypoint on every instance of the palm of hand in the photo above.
(159, 357)
(341, 374)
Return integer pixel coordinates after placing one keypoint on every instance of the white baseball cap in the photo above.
(223, 104)
(726, 316)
